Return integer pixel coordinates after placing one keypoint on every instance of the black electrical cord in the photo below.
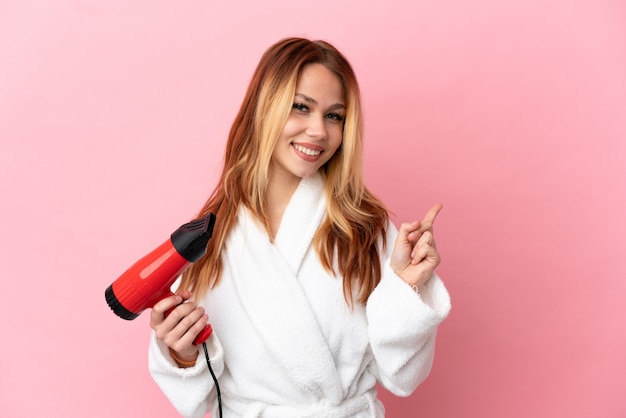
(217, 386)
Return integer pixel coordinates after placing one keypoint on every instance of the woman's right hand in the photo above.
(180, 327)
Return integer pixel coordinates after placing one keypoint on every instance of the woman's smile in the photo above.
(308, 152)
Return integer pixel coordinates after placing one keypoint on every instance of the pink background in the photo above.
(113, 117)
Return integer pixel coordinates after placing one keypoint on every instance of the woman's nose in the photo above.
(316, 127)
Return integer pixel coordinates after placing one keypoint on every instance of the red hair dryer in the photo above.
(149, 280)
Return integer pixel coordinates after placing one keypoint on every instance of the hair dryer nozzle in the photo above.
(117, 307)
(191, 239)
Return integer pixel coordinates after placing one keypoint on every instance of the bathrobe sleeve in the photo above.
(402, 326)
(190, 390)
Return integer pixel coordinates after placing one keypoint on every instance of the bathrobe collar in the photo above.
(300, 221)
(265, 277)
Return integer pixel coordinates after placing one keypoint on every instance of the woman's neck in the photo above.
(279, 192)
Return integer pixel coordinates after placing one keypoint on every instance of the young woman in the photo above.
(314, 296)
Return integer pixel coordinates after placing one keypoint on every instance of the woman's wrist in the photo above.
(419, 285)
(183, 361)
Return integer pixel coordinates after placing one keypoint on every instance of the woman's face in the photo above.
(314, 128)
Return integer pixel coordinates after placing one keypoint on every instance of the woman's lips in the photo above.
(308, 152)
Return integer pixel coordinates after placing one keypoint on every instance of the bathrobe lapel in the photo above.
(302, 216)
(265, 278)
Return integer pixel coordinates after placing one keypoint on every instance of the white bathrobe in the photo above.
(285, 343)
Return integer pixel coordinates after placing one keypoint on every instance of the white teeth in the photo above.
(306, 151)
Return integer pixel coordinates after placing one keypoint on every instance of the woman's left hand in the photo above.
(415, 255)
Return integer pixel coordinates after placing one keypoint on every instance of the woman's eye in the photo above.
(300, 107)
(335, 116)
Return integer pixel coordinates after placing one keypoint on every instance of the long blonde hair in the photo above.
(355, 226)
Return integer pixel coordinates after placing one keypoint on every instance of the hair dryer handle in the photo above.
(202, 336)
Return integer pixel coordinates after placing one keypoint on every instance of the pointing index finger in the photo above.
(429, 219)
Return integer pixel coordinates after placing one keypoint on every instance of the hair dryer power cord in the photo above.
(217, 386)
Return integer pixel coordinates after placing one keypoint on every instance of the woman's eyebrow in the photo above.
(312, 100)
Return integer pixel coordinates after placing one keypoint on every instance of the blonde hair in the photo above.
(355, 226)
